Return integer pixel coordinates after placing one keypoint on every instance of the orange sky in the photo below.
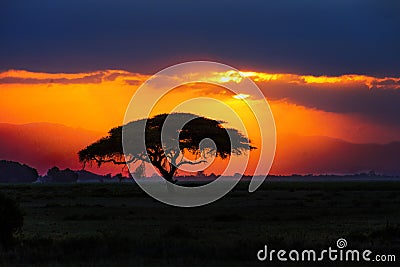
(98, 100)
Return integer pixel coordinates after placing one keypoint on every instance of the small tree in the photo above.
(166, 155)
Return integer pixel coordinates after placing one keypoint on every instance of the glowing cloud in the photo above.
(369, 81)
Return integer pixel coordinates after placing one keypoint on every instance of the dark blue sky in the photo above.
(305, 37)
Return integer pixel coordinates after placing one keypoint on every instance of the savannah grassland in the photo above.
(119, 225)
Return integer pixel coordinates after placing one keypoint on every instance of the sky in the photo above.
(331, 37)
(329, 69)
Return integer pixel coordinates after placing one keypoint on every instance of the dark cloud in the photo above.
(309, 37)
(113, 76)
(388, 84)
(24, 77)
(133, 82)
(90, 78)
(379, 105)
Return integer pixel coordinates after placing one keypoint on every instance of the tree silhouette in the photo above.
(167, 154)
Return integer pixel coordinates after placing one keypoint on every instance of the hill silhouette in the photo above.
(44, 145)
(320, 154)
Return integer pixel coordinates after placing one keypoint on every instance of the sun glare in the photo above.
(241, 96)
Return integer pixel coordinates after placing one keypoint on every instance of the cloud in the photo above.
(28, 77)
(374, 98)
(97, 78)
(341, 80)
(379, 103)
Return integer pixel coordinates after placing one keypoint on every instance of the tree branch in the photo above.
(190, 162)
(114, 161)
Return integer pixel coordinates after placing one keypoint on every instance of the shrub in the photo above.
(11, 221)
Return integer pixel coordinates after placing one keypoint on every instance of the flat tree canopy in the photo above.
(167, 153)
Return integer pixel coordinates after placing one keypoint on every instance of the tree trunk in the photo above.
(168, 175)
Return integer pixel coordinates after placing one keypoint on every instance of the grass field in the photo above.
(119, 225)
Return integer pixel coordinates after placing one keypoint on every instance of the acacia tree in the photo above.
(167, 154)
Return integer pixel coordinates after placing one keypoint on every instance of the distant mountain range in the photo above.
(319, 154)
(44, 145)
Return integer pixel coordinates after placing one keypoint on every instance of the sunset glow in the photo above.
(97, 101)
